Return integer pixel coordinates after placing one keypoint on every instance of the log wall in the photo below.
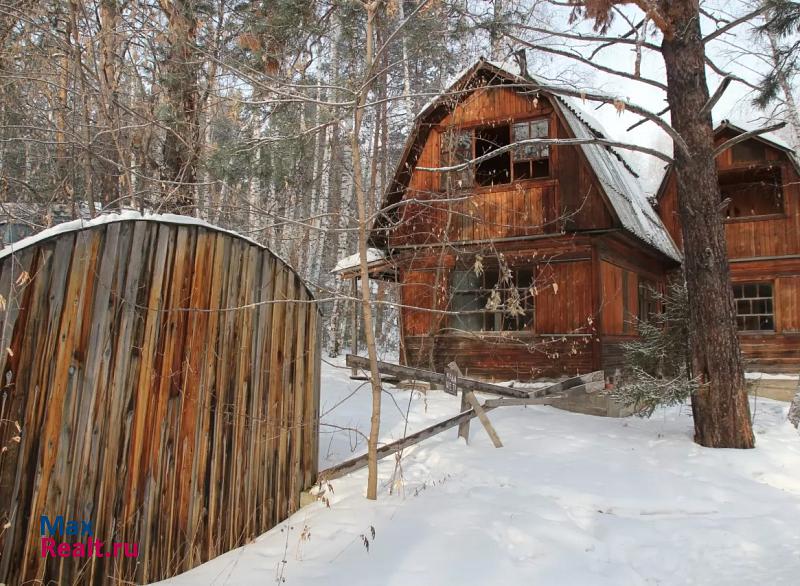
(160, 380)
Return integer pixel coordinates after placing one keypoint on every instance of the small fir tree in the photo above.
(658, 364)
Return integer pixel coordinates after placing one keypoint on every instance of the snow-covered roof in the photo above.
(740, 126)
(352, 261)
(627, 197)
(81, 224)
(769, 138)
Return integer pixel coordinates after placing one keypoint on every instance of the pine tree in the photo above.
(659, 362)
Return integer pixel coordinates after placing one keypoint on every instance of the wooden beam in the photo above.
(466, 384)
(487, 425)
(392, 448)
(570, 383)
(464, 417)
(463, 428)
(515, 402)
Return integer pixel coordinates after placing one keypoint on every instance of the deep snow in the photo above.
(570, 499)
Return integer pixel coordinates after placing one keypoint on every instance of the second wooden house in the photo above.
(760, 183)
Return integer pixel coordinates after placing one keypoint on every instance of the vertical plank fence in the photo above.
(159, 379)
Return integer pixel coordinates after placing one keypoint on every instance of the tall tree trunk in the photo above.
(179, 78)
(363, 219)
(87, 195)
(112, 151)
(720, 407)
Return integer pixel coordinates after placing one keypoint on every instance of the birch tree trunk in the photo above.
(366, 307)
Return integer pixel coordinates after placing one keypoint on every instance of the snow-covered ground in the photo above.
(570, 499)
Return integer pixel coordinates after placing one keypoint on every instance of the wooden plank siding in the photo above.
(760, 249)
(161, 393)
(530, 207)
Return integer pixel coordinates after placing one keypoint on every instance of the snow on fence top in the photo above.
(175, 219)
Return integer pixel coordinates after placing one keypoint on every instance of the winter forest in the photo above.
(536, 201)
(242, 112)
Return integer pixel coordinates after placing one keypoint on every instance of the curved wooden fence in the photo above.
(160, 382)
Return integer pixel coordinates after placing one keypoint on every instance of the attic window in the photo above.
(531, 160)
(752, 193)
(456, 149)
(494, 170)
(749, 150)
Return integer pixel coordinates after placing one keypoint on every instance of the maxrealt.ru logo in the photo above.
(86, 546)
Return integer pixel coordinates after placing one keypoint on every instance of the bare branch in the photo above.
(548, 142)
(590, 38)
(734, 23)
(585, 61)
(745, 136)
(709, 105)
(630, 107)
(645, 120)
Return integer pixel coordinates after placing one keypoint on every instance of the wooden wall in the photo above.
(585, 308)
(570, 196)
(560, 341)
(766, 236)
(760, 249)
(159, 393)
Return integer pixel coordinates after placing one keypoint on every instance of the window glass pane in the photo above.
(521, 131)
(754, 306)
(466, 280)
(532, 129)
(497, 169)
(456, 148)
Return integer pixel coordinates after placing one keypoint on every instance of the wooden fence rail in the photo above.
(160, 380)
(592, 381)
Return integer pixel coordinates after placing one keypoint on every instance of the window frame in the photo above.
(750, 299)
(780, 191)
(472, 129)
(530, 160)
(498, 316)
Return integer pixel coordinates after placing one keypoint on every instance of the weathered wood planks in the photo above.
(165, 381)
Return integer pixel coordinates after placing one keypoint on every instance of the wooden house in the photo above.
(760, 183)
(533, 261)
